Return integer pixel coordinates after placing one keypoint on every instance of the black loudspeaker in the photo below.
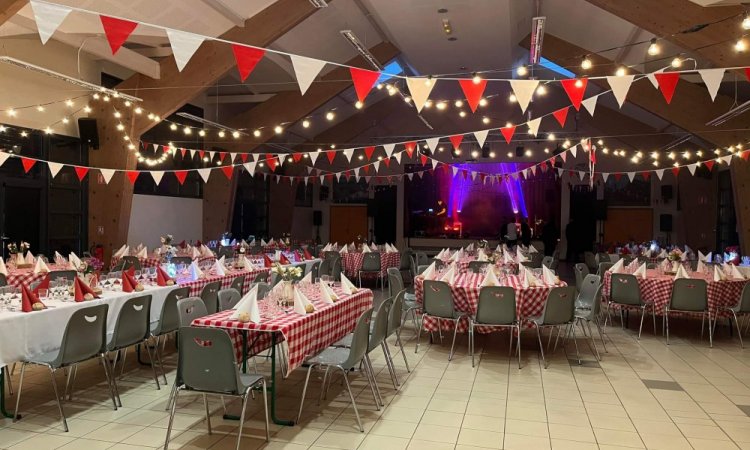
(88, 132)
(666, 192)
(600, 209)
(317, 218)
(665, 223)
(372, 208)
(519, 151)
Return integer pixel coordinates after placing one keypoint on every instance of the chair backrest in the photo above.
(331, 255)
(314, 270)
(590, 295)
(238, 284)
(438, 299)
(496, 305)
(602, 257)
(262, 277)
(478, 266)
(227, 252)
(547, 262)
(169, 320)
(379, 330)
(85, 335)
(603, 268)
(360, 341)
(421, 269)
(624, 289)
(182, 260)
(131, 261)
(210, 296)
(422, 258)
(336, 269)
(590, 260)
(206, 361)
(744, 303)
(228, 298)
(395, 281)
(3, 280)
(560, 306)
(133, 323)
(263, 290)
(325, 267)
(581, 271)
(395, 314)
(189, 309)
(69, 275)
(689, 294)
(371, 262)
(405, 262)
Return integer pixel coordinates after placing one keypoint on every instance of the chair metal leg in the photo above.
(403, 353)
(242, 420)
(593, 344)
(419, 334)
(108, 375)
(739, 332)
(541, 347)
(643, 314)
(265, 408)
(471, 341)
(389, 364)
(153, 364)
(57, 398)
(9, 381)
(370, 372)
(601, 334)
(171, 419)
(653, 316)
(172, 396)
(323, 388)
(710, 333)
(304, 392)
(453, 344)
(208, 415)
(18, 397)
(703, 323)
(351, 397)
(122, 364)
(518, 343)
(161, 360)
(575, 342)
(666, 321)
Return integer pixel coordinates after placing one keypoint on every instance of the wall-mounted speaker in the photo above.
(88, 132)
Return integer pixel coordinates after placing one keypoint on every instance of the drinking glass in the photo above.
(43, 294)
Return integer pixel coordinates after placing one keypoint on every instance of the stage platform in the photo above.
(433, 245)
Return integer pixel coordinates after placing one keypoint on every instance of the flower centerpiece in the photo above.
(287, 275)
(732, 255)
(675, 254)
(17, 252)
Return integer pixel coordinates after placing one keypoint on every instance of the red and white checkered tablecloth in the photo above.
(154, 260)
(658, 288)
(302, 336)
(226, 281)
(352, 262)
(17, 277)
(529, 301)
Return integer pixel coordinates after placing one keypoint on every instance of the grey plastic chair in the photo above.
(132, 327)
(396, 316)
(371, 265)
(588, 306)
(182, 260)
(69, 275)
(581, 270)
(325, 267)
(331, 255)
(395, 286)
(206, 364)
(438, 304)
(478, 266)
(558, 311)
(547, 262)
(742, 308)
(602, 257)
(169, 322)
(590, 260)
(555, 259)
(263, 290)
(3, 280)
(690, 295)
(336, 269)
(83, 339)
(189, 309)
(625, 293)
(261, 278)
(343, 359)
(315, 270)
(603, 268)
(228, 298)
(210, 296)
(496, 308)
(227, 252)
(405, 260)
(414, 266)
(422, 258)
(238, 284)
(131, 261)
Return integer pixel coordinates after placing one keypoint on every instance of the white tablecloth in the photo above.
(24, 335)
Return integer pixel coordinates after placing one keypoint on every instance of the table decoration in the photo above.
(16, 252)
(287, 274)
(29, 301)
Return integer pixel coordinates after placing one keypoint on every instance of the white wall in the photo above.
(153, 216)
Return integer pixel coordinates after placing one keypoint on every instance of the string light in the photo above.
(236, 134)
(485, 120)
(201, 133)
(476, 79)
(541, 90)
(40, 108)
(173, 127)
(578, 83)
(222, 133)
(138, 110)
(278, 129)
(441, 106)
(458, 103)
(746, 22)
(11, 112)
(522, 71)
(407, 99)
(428, 104)
(305, 123)
(187, 131)
(462, 114)
(256, 133)
(330, 115)
(482, 101)
(69, 103)
(512, 98)
(741, 45)
(653, 48)
(117, 114)
(621, 71)
(586, 63)
(677, 62)
(120, 127)
(359, 105)
(551, 137)
(87, 109)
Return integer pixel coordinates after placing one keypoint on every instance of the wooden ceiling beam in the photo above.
(9, 8)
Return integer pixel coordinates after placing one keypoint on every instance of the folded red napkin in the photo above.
(81, 289)
(43, 285)
(308, 256)
(162, 277)
(128, 282)
(28, 299)
(198, 243)
(284, 260)
(267, 261)
(131, 271)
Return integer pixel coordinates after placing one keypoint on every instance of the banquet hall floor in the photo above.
(643, 394)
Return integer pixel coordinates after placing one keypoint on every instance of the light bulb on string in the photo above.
(236, 134)
(120, 127)
(118, 114)
(48, 130)
(476, 79)
(459, 103)
(492, 154)
(482, 101)
(305, 123)
(578, 83)
(407, 99)
(522, 71)
(256, 133)
(379, 86)
(677, 62)
(138, 110)
(653, 48)
(173, 127)
(586, 63)
(11, 112)
(462, 114)
(330, 115)
(746, 22)
(512, 98)
(441, 106)
(741, 45)
(87, 109)
(201, 133)
(40, 108)
(65, 120)
(278, 129)
(359, 105)
(222, 133)
(428, 104)
(551, 137)
(69, 103)
(485, 120)
(541, 90)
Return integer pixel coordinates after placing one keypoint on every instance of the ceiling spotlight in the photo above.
(677, 62)
(492, 154)
(541, 90)
(551, 137)
(586, 63)
(222, 133)
(522, 71)
(621, 71)
(474, 154)
(330, 115)
(459, 103)
(24, 134)
(653, 48)
(173, 127)
(235, 134)
(428, 104)
(359, 105)
(278, 129)
(305, 123)
(528, 152)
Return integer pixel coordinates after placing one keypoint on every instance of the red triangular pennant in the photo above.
(369, 151)
(575, 88)
(366, 169)
(456, 140)
(116, 31)
(228, 171)
(561, 115)
(508, 132)
(363, 81)
(617, 176)
(183, 151)
(27, 164)
(271, 161)
(423, 158)
(473, 91)
(201, 153)
(675, 171)
(81, 172)
(747, 73)
(296, 157)
(410, 146)
(180, 175)
(246, 58)
(709, 164)
(331, 155)
(387, 162)
(646, 175)
(243, 157)
(132, 175)
(745, 155)
(667, 83)
(222, 156)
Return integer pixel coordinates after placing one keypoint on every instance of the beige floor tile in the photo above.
(394, 428)
(42, 441)
(711, 444)
(114, 432)
(522, 442)
(620, 438)
(480, 438)
(485, 423)
(664, 441)
(376, 442)
(441, 418)
(526, 428)
(572, 432)
(416, 444)
(340, 440)
(703, 432)
(563, 444)
(436, 433)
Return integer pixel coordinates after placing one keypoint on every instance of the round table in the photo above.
(351, 262)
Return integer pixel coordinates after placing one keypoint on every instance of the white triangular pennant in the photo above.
(534, 125)
(313, 157)
(631, 175)
(157, 175)
(54, 168)
(305, 70)
(455, 170)
(156, 147)
(652, 78)
(409, 176)
(659, 173)
(282, 157)
(376, 165)
(204, 173)
(727, 159)
(322, 177)
(192, 153)
(338, 176)
(523, 90)
(560, 171)
(397, 157)
(420, 89)
(309, 170)
(473, 176)
(620, 87)
(481, 136)
(211, 154)
(107, 174)
(432, 143)
(605, 176)
(349, 152)
(581, 175)
(48, 18)
(574, 150)
(250, 167)
(712, 78)
(692, 168)
(590, 104)
(389, 149)
(184, 45)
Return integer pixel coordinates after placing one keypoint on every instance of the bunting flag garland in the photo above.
(659, 173)
(575, 88)
(410, 146)
(157, 175)
(712, 78)
(561, 115)
(246, 58)
(456, 140)
(432, 143)
(204, 173)
(116, 31)
(306, 70)
(620, 87)
(48, 18)
(481, 136)
(523, 90)
(590, 104)
(363, 81)
(420, 89)
(54, 168)
(349, 153)
(132, 175)
(27, 164)
(331, 154)
(508, 132)
(652, 77)
(184, 45)
(667, 83)
(228, 171)
(473, 91)
(389, 149)
(106, 174)
(533, 125)
(271, 161)
(180, 175)
(81, 172)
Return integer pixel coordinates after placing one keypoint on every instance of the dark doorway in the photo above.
(21, 213)
(384, 214)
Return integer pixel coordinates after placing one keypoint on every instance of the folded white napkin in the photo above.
(440, 254)
(718, 274)
(532, 249)
(482, 257)
(663, 254)
(252, 243)
(641, 271)
(263, 243)
(470, 247)
(143, 253)
(233, 242)
(449, 276)
(490, 279)
(326, 294)
(195, 272)
(140, 246)
(684, 257)
(681, 273)
(41, 267)
(617, 267)
(20, 260)
(195, 253)
(735, 273)
(29, 258)
(326, 248)
(118, 254)
(271, 242)
(429, 272)
(530, 279)
(456, 256)
(300, 302)
(207, 252)
(675, 266)
(307, 278)
(700, 267)
(633, 265)
(519, 256)
(548, 276)
(347, 286)
(498, 248)
(343, 250)
(508, 257)
(3, 269)
(219, 268)
(277, 255)
(710, 257)
(366, 249)
(248, 304)
(701, 256)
